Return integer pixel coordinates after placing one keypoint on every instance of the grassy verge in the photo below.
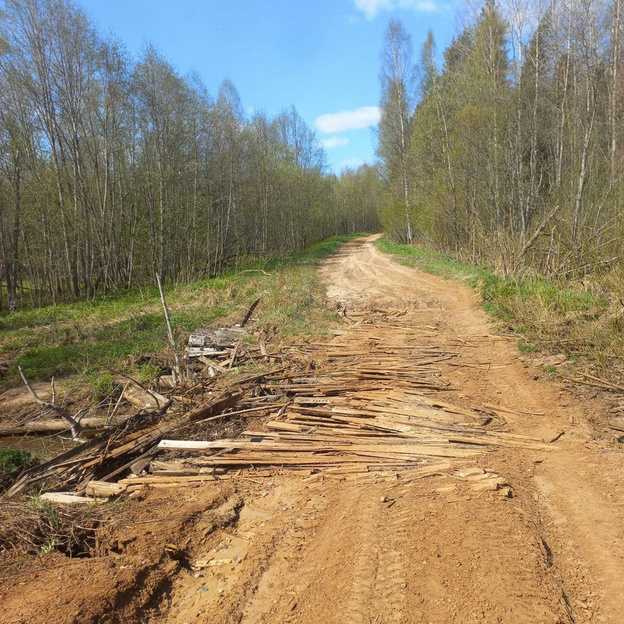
(126, 331)
(582, 320)
(432, 262)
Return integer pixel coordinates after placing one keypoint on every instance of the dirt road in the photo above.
(543, 545)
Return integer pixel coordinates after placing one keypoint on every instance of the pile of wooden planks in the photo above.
(114, 453)
(365, 404)
(360, 411)
(357, 433)
(215, 346)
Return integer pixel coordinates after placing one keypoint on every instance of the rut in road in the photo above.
(387, 542)
(419, 474)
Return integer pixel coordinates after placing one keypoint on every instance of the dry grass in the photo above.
(35, 526)
(126, 330)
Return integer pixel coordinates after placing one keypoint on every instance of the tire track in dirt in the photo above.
(325, 549)
(431, 550)
(576, 489)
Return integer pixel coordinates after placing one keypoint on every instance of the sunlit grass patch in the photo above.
(111, 330)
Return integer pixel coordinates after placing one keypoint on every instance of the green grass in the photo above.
(13, 461)
(501, 295)
(115, 328)
(432, 262)
(525, 347)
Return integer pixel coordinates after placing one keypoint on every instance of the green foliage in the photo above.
(525, 347)
(359, 196)
(50, 545)
(13, 461)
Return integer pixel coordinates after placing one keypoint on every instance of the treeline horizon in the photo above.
(511, 151)
(113, 169)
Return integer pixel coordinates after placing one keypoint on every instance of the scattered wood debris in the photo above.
(366, 404)
(551, 360)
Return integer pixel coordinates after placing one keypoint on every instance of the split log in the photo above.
(87, 425)
(68, 498)
(103, 489)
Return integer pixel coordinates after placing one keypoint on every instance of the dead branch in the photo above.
(177, 367)
(74, 425)
(249, 312)
(535, 235)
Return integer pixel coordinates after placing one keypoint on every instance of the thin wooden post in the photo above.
(176, 367)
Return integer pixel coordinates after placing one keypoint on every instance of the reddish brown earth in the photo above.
(434, 549)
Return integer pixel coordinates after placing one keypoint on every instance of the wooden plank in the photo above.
(103, 489)
(490, 440)
(312, 401)
(144, 399)
(68, 498)
(265, 448)
(278, 425)
(196, 352)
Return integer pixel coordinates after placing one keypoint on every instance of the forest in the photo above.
(114, 169)
(504, 150)
(510, 151)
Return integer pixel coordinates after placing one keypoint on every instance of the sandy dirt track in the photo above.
(545, 549)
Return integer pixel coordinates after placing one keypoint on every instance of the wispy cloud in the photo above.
(334, 141)
(372, 7)
(348, 120)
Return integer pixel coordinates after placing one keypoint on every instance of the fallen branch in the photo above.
(177, 367)
(74, 425)
(595, 383)
(249, 313)
(607, 384)
(535, 235)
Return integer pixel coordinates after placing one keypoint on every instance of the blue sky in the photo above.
(320, 55)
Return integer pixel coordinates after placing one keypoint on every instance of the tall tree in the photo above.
(397, 102)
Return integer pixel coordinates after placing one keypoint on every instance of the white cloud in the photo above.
(372, 7)
(348, 120)
(352, 162)
(334, 141)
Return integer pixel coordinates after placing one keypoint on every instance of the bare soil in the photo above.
(548, 549)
